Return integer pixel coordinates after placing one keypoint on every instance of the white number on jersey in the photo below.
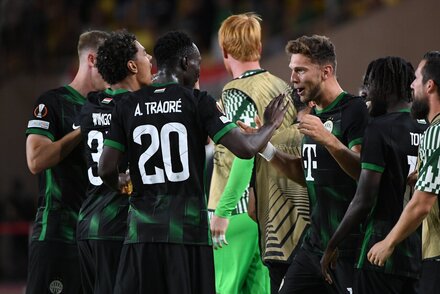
(162, 141)
(99, 138)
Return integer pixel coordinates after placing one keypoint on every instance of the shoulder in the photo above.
(52, 95)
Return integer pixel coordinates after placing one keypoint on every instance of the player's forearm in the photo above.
(411, 218)
(356, 213)
(347, 159)
(238, 181)
(43, 153)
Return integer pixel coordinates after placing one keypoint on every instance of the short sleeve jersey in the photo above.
(390, 147)
(103, 215)
(164, 129)
(330, 189)
(429, 172)
(62, 188)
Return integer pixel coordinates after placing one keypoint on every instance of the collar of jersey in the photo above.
(331, 105)
(112, 92)
(77, 97)
(251, 73)
(404, 110)
(159, 85)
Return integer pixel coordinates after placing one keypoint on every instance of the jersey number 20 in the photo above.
(162, 141)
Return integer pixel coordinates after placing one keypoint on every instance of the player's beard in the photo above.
(420, 109)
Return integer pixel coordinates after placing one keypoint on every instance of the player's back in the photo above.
(165, 128)
(104, 212)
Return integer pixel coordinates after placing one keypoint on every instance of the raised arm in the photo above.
(348, 159)
(43, 153)
(246, 145)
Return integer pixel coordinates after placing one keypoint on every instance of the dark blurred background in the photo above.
(38, 41)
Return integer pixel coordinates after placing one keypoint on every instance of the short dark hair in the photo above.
(318, 48)
(431, 70)
(389, 78)
(114, 54)
(171, 47)
(91, 40)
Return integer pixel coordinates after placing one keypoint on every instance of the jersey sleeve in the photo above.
(238, 181)
(239, 106)
(373, 152)
(357, 120)
(116, 137)
(45, 118)
(212, 118)
(429, 172)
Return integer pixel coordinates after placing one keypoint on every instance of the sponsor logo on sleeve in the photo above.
(36, 123)
(40, 111)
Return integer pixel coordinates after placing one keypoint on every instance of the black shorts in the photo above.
(304, 275)
(277, 271)
(430, 280)
(99, 260)
(53, 268)
(165, 268)
(370, 282)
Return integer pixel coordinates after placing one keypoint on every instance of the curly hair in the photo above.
(171, 47)
(114, 54)
(318, 48)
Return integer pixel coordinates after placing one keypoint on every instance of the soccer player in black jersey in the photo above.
(423, 205)
(329, 165)
(389, 155)
(54, 153)
(163, 129)
(125, 66)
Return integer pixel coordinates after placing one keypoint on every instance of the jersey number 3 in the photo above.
(161, 140)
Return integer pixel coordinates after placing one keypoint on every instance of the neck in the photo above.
(130, 83)
(434, 107)
(83, 82)
(164, 76)
(398, 106)
(237, 68)
(330, 91)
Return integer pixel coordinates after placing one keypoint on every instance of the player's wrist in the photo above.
(269, 152)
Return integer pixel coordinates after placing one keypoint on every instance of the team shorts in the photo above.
(53, 268)
(430, 280)
(370, 281)
(304, 275)
(99, 260)
(165, 268)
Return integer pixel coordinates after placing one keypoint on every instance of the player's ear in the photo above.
(91, 59)
(184, 63)
(327, 70)
(132, 67)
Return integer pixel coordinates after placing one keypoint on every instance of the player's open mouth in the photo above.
(300, 91)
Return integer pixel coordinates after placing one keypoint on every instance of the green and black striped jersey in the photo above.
(103, 215)
(62, 188)
(164, 129)
(390, 147)
(330, 189)
(429, 173)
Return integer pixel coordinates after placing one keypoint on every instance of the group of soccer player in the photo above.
(332, 204)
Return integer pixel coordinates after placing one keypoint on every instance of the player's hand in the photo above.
(248, 129)
(125, 185)
(312, 126)
(329, 259)
(275, 111)
(219, 225)
(380, 252)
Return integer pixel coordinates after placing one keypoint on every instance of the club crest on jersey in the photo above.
(328, 125)
(56, 287)
(107, 100)
(40, 111)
